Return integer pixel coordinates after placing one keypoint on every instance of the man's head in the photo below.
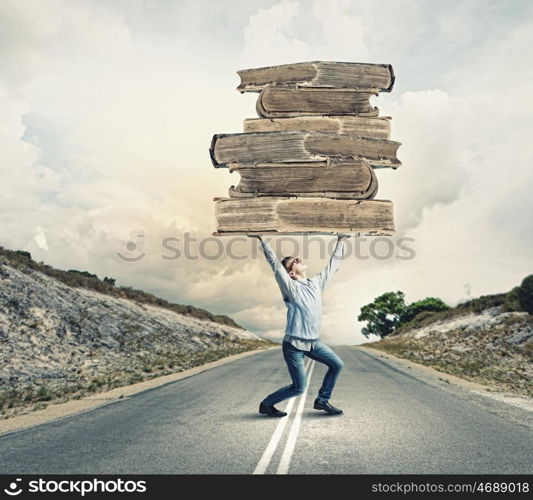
(294, 266)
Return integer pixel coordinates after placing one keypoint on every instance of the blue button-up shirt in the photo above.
(303, 297)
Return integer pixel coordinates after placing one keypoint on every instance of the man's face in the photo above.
(296, 266)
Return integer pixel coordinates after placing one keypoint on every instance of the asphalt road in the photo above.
(394, 422)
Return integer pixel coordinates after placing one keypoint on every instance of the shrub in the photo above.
(511, 301)
(427, 304)
(43, 394)
(525, 294)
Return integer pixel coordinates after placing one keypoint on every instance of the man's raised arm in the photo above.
(285, 282)
(334, 262)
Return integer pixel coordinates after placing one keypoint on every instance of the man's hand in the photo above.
(342, 236)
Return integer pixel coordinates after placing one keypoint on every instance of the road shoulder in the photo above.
(76, 406)
(440, 378)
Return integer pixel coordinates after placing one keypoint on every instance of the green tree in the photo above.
(383, 314)
(427, 304)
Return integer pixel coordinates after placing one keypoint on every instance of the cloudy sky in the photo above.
(108, 109)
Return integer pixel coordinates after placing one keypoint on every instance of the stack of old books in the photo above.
(307, 163)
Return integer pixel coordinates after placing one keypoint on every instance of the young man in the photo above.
(303, 298)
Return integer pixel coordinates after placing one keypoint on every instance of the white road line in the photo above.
(285, 461)
(263, 463)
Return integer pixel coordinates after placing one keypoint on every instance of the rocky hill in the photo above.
(482, 340)
(59, 341)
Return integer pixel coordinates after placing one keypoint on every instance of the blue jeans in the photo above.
(295, 363)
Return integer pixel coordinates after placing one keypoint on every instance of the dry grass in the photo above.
(21, 400)
(482, 355)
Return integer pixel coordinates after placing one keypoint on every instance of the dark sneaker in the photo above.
(327, 408)
(271, 411)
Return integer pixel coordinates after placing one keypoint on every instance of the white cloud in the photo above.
(268, 35)
(341, 35)
(433, 128)
(274, 35)
(40, 238)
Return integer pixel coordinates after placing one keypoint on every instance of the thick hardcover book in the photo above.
(300, 146)
(303, 215)
(376, 128)
(354, 179)
(326, 74)
(284, 102)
